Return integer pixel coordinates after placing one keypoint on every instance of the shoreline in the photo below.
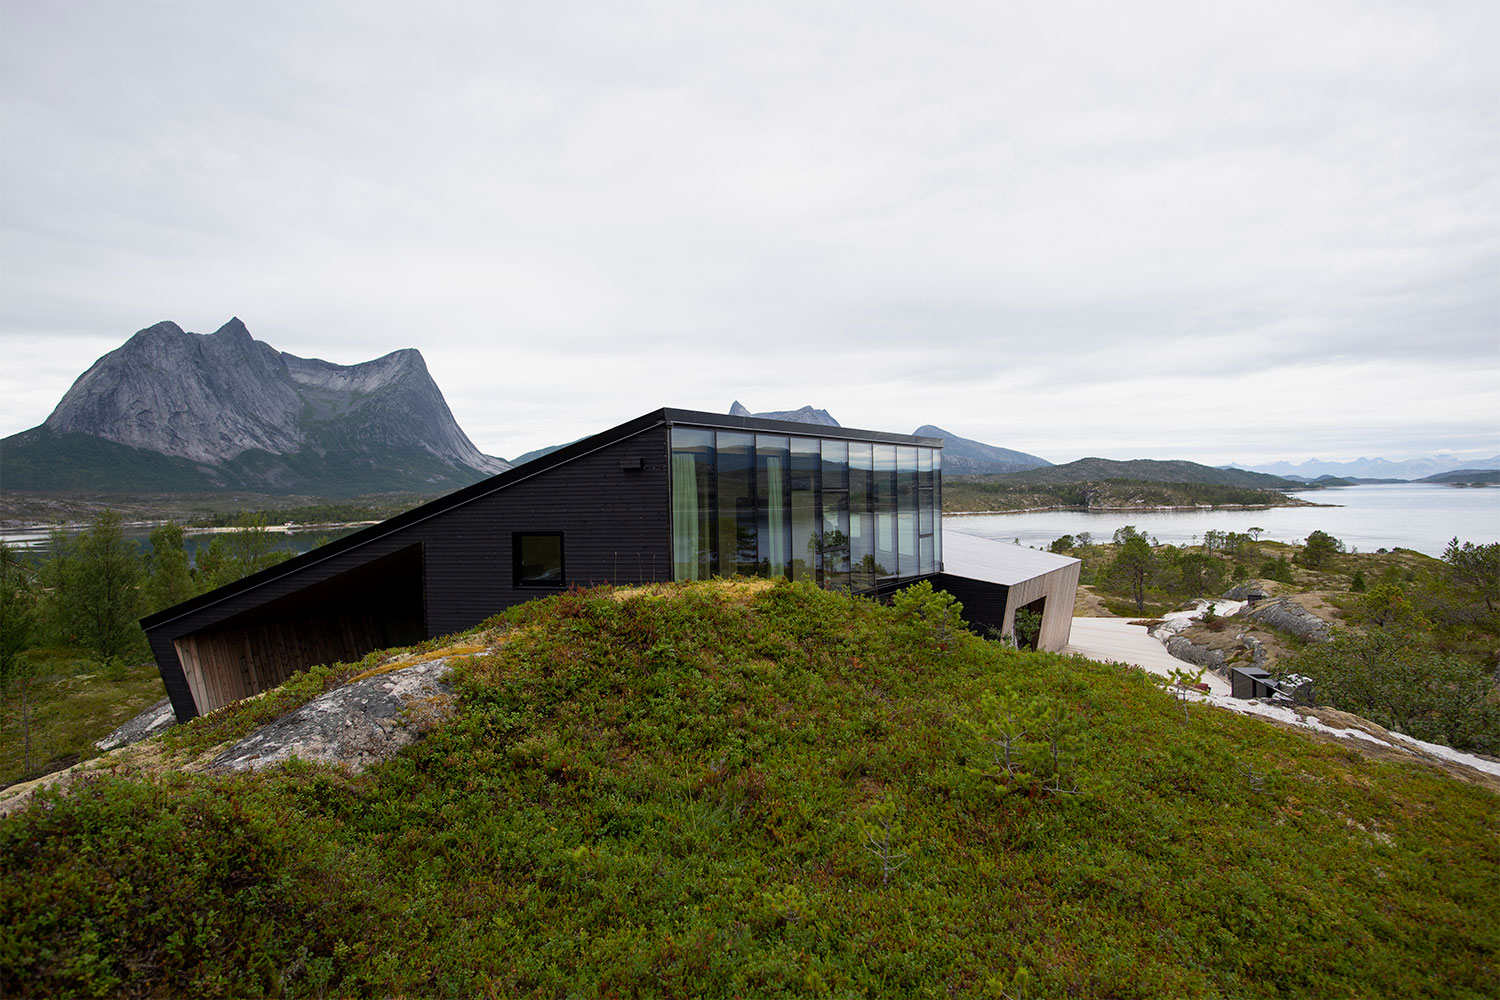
(1138, 507)
(10, 532)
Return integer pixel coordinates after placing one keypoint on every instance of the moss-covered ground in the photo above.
(669, 792)
(72, 700)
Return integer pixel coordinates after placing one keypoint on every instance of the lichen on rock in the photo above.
(354, 725)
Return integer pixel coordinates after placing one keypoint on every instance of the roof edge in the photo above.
(728, 421)
(503, 480)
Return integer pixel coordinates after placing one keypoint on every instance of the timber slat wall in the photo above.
(993, 605)
(1060, 588)
(231, 664)
(611, 504)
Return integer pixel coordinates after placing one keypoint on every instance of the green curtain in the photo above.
(776, 520)
(685, 514)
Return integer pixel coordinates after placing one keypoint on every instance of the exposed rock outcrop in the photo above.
(353, 725)
(1286, 615)
(156, 719)
(1251, 591)
(1189, 651)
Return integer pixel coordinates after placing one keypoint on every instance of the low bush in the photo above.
(744, 789)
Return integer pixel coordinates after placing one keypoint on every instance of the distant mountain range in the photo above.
(806, 415)
(171, 411)
(961, 455)
(1372, 468)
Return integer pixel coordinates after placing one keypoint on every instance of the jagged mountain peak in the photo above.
(805, 415)
(212, 398)
(235, 328)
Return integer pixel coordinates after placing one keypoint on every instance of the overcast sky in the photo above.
(1216, 231)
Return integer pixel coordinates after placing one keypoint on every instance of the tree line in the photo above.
(1418, 649)
(90, 590)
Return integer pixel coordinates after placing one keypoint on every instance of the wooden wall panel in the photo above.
(612, 506)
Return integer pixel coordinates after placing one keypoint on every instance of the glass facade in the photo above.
(839, 513)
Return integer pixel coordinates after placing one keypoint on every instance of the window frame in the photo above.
(516, 538)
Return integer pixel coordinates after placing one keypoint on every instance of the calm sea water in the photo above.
(1420, 516)
(295, 542)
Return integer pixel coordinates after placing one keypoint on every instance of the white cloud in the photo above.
(1238, 224)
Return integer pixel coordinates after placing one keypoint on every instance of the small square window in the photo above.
(537, 559)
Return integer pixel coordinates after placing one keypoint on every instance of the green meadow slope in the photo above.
(736, 789)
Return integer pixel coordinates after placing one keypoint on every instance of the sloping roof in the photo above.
(995, 562)
(520, 473)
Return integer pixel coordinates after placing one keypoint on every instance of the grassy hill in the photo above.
(747, 789)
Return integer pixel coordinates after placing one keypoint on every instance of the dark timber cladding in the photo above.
(439, 568)
(671, 495)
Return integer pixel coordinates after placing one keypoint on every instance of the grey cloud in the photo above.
(877, 206)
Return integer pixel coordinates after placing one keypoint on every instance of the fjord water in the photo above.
(1421, 516)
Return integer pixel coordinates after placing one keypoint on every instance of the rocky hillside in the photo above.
(805, 415)
(172, 410)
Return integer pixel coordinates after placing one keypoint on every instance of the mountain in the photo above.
(1374, 468)
(806, 415)
(175, 411)
(1323, 481)
(1465, 477)
(537, 453)
(963, 455)
(1146, 470)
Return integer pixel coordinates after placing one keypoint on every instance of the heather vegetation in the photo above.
(755, 789)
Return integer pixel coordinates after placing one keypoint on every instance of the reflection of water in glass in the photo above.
(1419, 516)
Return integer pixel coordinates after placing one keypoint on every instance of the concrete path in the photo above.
(1116, 640)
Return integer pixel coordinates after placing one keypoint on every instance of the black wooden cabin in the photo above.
(671, 495)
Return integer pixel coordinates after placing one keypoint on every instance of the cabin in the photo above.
(673, 495)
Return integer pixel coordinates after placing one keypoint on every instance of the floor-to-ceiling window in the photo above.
(906, 511)
(773, 523)
(834, 472)
(738, 552)
(885, 510)
(927, 514)
(693, 548)
(841, 513)
(861, 516)
(803, 482)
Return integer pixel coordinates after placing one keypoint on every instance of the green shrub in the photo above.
(671, 792)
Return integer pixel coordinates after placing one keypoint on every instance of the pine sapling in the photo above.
(881, 831)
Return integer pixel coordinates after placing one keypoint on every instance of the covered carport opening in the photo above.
(996, 579)
(371, 606)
